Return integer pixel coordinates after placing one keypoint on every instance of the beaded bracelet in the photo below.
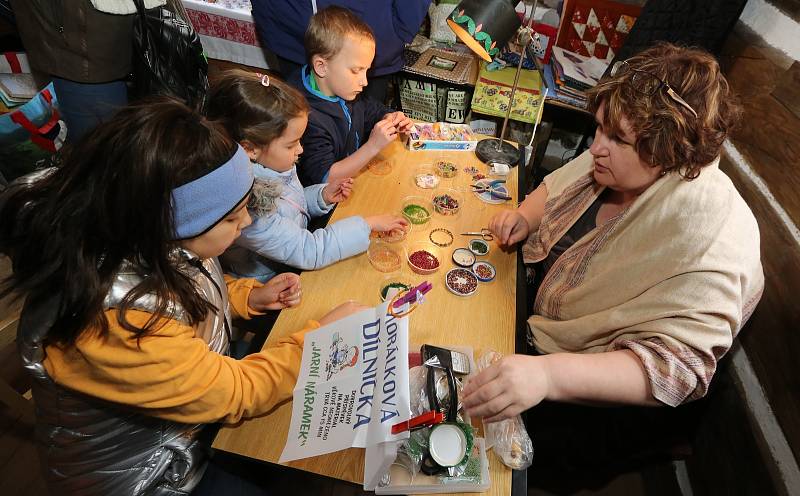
(441, 230)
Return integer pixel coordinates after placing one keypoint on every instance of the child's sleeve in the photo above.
(373, 112)
(319, 154)
(239, 294)
(280, 239)
(316, 204)
(172, 374)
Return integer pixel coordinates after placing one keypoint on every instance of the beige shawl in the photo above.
(673, 277)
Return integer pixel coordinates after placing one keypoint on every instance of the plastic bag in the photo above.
(508, 438)
(168, 56)
(29, 133)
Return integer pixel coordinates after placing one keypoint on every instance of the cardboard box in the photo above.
(442, 136)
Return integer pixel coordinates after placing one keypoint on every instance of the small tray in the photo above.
(484, 271)
(416, 209)
(394, 280)
(426, 178)
(393, 236)
(461, 282)
(384, 257)
(446, 169)
(447, 202)
(380, 167)
(463, 257)
(423, 247)
(487, 196)
(479, 247)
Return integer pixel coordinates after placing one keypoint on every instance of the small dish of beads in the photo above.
(426, 178)
(383, 256)
(416, 209)
(463, 257)
(478, 246)
(393, 236)
(461, 282)
(423, 258)
(380, 167)
(484, 271)
(392, 283)
(447, 203)
(445, 169)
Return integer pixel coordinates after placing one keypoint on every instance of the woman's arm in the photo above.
(518, 382)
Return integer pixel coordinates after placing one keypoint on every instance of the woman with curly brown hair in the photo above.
(647, 257)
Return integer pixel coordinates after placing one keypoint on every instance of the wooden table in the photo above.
(483, 321)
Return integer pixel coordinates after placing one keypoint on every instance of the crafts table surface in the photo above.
(483, 321)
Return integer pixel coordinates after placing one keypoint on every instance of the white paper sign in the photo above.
(352, 386)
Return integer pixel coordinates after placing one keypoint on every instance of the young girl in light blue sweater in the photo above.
(268, 118)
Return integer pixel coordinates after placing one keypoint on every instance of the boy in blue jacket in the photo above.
(282, 25)
(340, 48)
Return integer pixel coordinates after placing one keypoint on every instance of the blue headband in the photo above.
(199, 205)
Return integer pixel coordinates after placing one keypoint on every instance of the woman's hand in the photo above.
(509, 227)
(386, 222)
(337, 190)
(342, 311)
(281, 291)
(506, 388)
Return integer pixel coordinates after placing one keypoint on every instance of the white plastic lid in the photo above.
(447, 445)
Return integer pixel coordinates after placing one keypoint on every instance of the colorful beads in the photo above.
(426, 180)
(441, 237)
(445, 204)
(446, 169)
(423, 260)
(461, 282)
(416, 214)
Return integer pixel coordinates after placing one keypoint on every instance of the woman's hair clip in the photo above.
(264, 79)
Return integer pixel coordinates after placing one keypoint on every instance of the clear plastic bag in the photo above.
(508, 438)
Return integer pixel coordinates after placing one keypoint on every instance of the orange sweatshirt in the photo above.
(172, 374)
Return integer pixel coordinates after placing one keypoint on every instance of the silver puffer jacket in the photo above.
(92, 447)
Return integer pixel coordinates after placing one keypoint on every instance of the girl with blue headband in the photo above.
(126, 321)
(268, 118)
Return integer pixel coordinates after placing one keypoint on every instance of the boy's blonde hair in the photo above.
(327, 31)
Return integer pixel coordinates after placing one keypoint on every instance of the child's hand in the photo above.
(386, 222)
(401, 122)
(279, 292)
(337, 190)
(342, 311)
(383, 133)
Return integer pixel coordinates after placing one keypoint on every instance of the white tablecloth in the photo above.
(226, 33)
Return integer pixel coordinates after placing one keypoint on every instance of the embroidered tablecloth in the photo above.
(227, 30)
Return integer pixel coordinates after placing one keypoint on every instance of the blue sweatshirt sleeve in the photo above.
(277, 238)
(318, 155)
(373, 112)
(316, 204)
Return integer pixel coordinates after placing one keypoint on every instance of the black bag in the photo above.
(168, 56)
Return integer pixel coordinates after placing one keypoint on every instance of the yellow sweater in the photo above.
(172, 374)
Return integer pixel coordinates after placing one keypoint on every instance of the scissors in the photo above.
(484, 233)
(491, 188)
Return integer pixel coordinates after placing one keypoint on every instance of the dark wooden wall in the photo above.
(731, 456)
